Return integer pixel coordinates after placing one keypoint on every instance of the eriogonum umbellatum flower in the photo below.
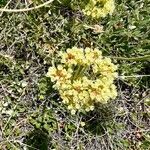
(99, 8)
(83, 78)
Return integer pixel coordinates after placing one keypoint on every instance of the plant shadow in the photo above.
(37, 139)
(98, 121)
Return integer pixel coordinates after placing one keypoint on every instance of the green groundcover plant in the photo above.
(69, 75)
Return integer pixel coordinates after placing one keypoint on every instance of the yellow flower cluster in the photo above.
(84, 78)
(99, 8)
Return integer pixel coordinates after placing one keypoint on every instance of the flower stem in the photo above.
(140, 58)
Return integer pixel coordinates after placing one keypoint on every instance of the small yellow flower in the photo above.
(77, 106)
(91, 108)
(92, 55)
(58, 73)
(51, 73)
(68, 58)
(70, 107)
(77, 85)
(65, 99)
(75, 99)
(86, 82)
(73, 112)
(82, 124)
(87, 109)
(83, 95)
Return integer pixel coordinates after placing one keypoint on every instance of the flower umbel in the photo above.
(99, 8)
(84, 78)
